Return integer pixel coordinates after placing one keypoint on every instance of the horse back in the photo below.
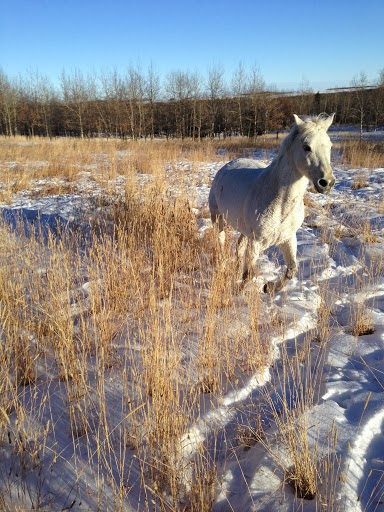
(231, 186)
(237, 174)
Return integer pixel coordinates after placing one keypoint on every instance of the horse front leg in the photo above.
(289, 249)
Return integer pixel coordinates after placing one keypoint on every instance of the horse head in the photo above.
(313, 151)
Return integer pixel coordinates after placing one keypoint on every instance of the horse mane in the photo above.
(288, 141)
(316, 120)
(311, 122)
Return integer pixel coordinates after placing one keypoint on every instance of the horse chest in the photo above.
(277, 224)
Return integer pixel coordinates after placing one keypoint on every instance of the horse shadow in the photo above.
(257, 415)
(45, 227)
(254, 460)
(364, 408)
(371, 490)
(339, 269)
(33, 223)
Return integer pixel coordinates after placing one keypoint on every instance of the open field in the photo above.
(134, 375)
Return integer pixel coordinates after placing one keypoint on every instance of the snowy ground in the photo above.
(350, 389)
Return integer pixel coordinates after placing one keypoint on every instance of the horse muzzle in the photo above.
(323, 186)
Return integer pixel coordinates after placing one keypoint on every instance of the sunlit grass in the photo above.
(136, 297)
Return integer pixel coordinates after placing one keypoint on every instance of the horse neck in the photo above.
(287, 177)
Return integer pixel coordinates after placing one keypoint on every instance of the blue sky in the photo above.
(319, 42)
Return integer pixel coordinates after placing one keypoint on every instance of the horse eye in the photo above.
(307, 148)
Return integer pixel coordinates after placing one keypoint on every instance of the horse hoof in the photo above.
(270, 287)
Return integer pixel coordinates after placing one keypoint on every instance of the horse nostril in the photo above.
(322, 183)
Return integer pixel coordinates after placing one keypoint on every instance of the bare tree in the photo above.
(39, 95)
(378, 100)
(152, 94)
(135, 104)
(359, 84)
(257, 95)
(78, 93)
(179, 89)
(215, 91)
(197, 105)
(239, 89)
(107, 104)
(133, 94)
(48, 97)
(274, 112)
(304, 98)
(8, 104)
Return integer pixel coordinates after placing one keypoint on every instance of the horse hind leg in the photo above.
(219, 225)
(255, 253)
(242, 257)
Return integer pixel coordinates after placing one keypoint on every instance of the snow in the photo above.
(348, 374)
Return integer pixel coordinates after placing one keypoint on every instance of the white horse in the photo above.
(265, 204)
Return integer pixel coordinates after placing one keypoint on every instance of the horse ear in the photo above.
(328, 121)
(298, 121)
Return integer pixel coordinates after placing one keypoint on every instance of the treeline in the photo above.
(137, 104)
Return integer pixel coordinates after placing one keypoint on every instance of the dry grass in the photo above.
(129, 326)
(363, 154)
(134, 299)
(361, 321)
(23, 161)
(359, 181)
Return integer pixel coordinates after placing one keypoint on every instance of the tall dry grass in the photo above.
(364, 154)
(114, 336)
(134, 298)
(23, 161)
